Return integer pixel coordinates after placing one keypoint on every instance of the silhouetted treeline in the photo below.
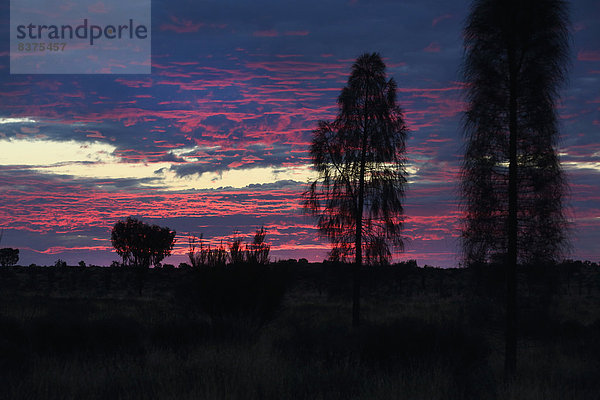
(257, 291)
(325, 279)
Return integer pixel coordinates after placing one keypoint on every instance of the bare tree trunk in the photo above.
(356, 277)
(510, 355)
(358, 246)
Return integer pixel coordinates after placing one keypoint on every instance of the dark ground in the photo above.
(284, 331)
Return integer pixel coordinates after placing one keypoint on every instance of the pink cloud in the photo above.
(61, 249)
(184, 63)
(579, 26)
(437, 20)
(98, 8)
(93, 134)
(433, 47)
(430, 90)
(589, 55)
(181, 26)
(297, 33)
(266, 33)
(26, 129)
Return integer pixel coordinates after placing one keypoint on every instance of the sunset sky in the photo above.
(216, 138)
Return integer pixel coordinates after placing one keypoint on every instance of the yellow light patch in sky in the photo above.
(46, 152)
(16, 120)
(96, 160)
(595, 165)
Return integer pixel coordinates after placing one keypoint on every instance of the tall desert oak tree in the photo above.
(516, 55)
(359, 159)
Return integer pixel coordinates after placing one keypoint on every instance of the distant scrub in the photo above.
(257, 252)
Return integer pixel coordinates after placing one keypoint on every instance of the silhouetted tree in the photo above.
(196, 252)
(216, 257)
(9, 256)
(236, 252)
(359, 158)
(140, 244)
(258, 251)
(201, 256)
(512, 183)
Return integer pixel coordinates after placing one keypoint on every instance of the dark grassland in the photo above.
(284, 332)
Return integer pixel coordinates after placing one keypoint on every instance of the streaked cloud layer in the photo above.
(216, 138)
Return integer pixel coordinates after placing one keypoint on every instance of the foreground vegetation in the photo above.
(284, 331)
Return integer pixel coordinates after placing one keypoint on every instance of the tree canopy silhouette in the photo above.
(359, 159)
(9, 256)
(140, 244)
(513, 187)
(257, 252)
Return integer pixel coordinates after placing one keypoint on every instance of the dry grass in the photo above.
(438, 340)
